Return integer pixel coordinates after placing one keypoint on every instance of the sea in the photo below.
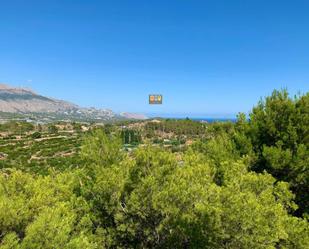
(212, 120)
(200, 119)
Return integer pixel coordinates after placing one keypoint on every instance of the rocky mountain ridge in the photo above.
(19, 100)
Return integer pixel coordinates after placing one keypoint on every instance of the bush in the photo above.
(36, 135)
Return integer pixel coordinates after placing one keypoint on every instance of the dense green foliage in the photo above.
(240, 185)
(16, 127)
(279, 131)
(130, 136)
(179, 127)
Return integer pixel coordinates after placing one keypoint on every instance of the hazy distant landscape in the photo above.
(24, 104)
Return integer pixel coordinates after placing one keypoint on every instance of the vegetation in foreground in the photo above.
(242, 185)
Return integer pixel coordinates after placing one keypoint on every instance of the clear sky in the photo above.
(207, 58)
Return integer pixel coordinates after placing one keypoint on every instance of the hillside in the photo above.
(22, 101)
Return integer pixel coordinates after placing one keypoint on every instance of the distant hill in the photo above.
(133, 115)
(23, 101)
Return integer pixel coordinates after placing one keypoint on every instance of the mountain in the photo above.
(22, 100)
(25, 102)
(133, 115)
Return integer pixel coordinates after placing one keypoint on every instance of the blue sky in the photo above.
(207, 58)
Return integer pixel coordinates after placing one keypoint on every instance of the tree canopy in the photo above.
(242, 185)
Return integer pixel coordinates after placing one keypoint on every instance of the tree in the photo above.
(36, 135)
(53, 129)
(43, 212)
(152, 201)
(102, 149)
(279, 134)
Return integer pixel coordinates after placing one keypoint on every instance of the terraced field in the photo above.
(50, 151)
(40, 149)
